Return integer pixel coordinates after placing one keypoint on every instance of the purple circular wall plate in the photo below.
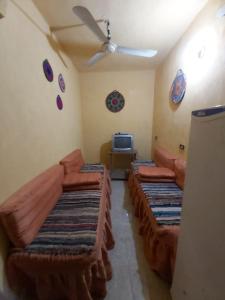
(47, 70)
(61, 83)
(59, 102)
(115, 101)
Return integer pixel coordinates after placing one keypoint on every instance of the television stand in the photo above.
(120, 174)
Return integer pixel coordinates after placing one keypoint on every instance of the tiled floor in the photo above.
(132, 278)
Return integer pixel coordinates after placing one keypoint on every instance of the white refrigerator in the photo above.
(200, 265)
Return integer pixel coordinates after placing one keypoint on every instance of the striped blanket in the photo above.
(92, 168)
(165, 200)
(138, 162)
(71, 226)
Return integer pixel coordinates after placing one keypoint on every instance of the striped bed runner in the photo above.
(165, 200)
(71, 226)
(139, 162)
(92, 168)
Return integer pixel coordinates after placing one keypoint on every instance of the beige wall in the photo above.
(136, 116)
(34, 133)
(205, 78)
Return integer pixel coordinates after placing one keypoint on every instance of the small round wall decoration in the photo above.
(178, 87)
(59, 102)
(61, 83)
(115, 101)
(47, 70)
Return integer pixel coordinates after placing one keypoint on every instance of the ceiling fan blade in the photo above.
(96, 57)
(136, 52)
(86, 17)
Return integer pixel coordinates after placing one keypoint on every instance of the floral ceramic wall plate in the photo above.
(47, 70)
(59, 102)
(178, 87)
(61, 83)
(115, 101)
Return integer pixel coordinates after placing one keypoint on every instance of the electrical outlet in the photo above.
(3, 5)
(181, 147)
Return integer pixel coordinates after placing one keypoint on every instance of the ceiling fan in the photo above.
(108, 46)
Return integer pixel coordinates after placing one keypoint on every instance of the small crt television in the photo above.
(122, 142)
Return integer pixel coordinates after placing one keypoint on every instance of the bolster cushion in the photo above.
(156, 172)
(88, 187)
(82, 179)
(25, 211)
(163, 158)
(180, 171)
(72, 162)
(149, 179)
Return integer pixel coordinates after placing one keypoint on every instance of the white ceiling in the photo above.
(155, 24)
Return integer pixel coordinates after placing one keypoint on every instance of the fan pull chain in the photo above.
(108, 30)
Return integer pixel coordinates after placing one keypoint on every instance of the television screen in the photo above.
(122, 142)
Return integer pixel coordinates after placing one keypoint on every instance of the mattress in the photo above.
(71, 226)
(165, 201)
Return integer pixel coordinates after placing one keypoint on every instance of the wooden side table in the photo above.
(116, 174)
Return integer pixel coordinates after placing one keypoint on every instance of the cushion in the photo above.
(151, 179)
(156, 172)
(82, 179)
(180, 171)
(88, 187)
(73, 162)
(24, 212)
(163, 158)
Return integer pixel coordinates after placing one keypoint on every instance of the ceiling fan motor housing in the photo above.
(110, 47)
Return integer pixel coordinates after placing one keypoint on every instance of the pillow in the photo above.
(180, 171)
(72, 162)
(82, 179)
(156, 172)
(71, 188)
(71, 167)
(152, 179)
(164, 159)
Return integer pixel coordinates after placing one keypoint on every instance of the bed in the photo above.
(158, 205)
(59, 240)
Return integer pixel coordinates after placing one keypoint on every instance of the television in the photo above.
(122, 142)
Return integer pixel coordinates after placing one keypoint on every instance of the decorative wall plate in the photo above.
(178, 87)
(59, 102)
(115, 101)
(61, 83)
(47, 70)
